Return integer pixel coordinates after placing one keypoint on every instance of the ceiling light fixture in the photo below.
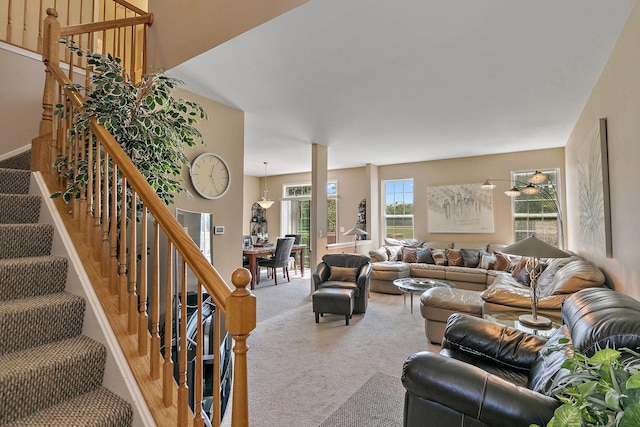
(265, 203)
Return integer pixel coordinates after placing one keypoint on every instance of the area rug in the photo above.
(378, 403)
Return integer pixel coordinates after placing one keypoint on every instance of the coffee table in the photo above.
(510, 319)
(411, 285)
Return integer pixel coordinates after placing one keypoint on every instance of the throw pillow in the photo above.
(394, 252)
(487, 260)
(454, 258)
(343, 274)
(409, 255)
(424, 255)
(519, 266)
(471, 257)
(439, 256)
(523, 274)
(503, 263)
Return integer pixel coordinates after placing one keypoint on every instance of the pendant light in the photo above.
(265, 203)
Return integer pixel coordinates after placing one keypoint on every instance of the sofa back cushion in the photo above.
(574, 276)
(378, 255)
(438, 245)
(600, 318)
(547, 367)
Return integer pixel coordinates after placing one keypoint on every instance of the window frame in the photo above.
(404, 216)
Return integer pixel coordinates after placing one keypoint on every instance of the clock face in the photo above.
(210, 176)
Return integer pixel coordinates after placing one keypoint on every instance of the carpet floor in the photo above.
(301, 372)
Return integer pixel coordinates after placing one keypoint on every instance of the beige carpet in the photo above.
(300, 372)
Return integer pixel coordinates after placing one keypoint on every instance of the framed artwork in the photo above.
(464, 208)
(593, 190)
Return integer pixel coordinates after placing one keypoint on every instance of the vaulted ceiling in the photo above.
(396, 81)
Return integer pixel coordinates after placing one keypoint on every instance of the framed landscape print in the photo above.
(593, 192)
(464, 208)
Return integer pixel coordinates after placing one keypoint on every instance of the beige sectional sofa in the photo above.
(481, 290)
(385, 270)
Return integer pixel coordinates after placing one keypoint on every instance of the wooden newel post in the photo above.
(241, 320)
(42, 152)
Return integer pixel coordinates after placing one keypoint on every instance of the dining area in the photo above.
(276, 257)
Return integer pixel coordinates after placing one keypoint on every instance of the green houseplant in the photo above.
(150, 124)
(601, 390)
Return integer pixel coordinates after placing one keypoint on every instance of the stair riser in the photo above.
(36, 323)
(43, 386)
(25, 240)
(28, 277)
(14, 181)
(19, 209)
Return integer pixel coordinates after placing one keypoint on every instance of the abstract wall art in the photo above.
(464, 208)
(593, 187)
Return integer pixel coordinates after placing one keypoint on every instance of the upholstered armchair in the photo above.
(346, 271)
(491, 375)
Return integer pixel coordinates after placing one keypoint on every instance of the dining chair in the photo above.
(295, 255)
(280, 259)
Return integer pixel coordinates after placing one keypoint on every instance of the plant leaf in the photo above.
(566, 416)
(633, 381)
(606, 355)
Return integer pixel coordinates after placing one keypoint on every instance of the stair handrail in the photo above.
(238, 304)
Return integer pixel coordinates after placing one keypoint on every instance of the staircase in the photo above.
(50, 374)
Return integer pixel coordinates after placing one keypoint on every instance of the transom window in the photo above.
(398, 208)
(537, 213)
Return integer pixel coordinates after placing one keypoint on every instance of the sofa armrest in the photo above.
(363, 276)
(491, 341)
(321, 275)
(474, 392)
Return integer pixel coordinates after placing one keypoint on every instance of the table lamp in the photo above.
(534, 249)
(355, 232)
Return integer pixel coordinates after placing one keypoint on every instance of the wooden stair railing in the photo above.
(117, 263)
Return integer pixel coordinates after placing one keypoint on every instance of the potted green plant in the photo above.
(601, 390)
(150, 124)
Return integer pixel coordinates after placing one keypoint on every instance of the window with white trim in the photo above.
(398, 208)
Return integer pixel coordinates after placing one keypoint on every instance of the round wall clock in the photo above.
(210, 176)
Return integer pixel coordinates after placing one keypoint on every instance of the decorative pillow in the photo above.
(523, 274)
(519, 266)
(378, 255)
(471, 257)
(424, 255)
(503, 263)
(454, 258)
(409, 255)
(343, 274)
(394, 253)
(487, 260)
(439, 256)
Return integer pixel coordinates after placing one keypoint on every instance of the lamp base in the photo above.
(539, 322)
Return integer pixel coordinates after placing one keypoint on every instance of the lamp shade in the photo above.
(538, 177)
(355, 231)
(530, 189)
(514, 192)
(534, 247)
(488, 185)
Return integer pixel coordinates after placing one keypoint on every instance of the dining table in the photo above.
(254, 252)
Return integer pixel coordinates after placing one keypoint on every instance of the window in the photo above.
(398, 208)
(537, 213)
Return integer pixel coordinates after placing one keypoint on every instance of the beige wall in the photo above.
(224, 135)
(616, 96)
(21, 87)
(180, 32)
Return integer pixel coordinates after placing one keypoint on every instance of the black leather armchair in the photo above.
(491, 375)
(322, 278)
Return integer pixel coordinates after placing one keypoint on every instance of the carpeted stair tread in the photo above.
(19, 161)
(19, 208)
(32, 276)
(40, 377)
(25, 240)
(14, 181)
(29, 322)
(99, 408)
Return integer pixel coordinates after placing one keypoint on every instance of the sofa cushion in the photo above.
(573, 277)
(437, 245)
(429, 271)
(378, 255)
(409, 255)
(471, 257)
(465, 274)
(454, 258)
(424, 255)
(525, 278)
(394, 253)
(439, 256)
(343, 274)
(409, 243)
